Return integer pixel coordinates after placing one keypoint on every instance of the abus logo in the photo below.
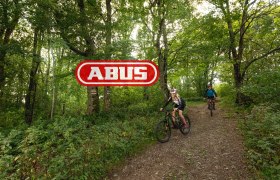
(117, 73)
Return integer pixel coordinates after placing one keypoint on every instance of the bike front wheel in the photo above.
(163, 131)
(211, 108)
(186, 130)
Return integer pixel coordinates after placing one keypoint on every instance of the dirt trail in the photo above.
(213, 150)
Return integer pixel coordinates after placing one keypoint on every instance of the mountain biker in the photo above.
(211, 94)
(178, 104)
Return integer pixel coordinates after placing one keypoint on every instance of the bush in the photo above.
(72, 147)
(226, 91)
(264, 87)
(262, 132)
(11, 118)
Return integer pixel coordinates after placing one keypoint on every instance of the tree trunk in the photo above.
(63, 108)
(238, 84)
(92, 91)
(237, 50)
(162, 53)
(20, 89)
(163, 77)
(48, 70)
(107, 99)
(2, 74)
(164, 64)
(54, 91)
(31, 92)
(241, 98)
(146, 96)
(93, 100)
(8, 24)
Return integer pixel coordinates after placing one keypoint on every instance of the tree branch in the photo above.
(258, 58)
(83, 22)
(73, 48)
(11, 26)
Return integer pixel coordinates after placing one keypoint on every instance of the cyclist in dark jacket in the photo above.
(211, 94)
(178, 105)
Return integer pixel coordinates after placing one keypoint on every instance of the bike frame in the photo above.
(211, 101)
(166, 124)
(169, 117)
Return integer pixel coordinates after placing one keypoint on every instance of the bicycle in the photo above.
(163, 128)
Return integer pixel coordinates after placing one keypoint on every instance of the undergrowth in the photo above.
(74, 147)
(260, 125)
(262, 138)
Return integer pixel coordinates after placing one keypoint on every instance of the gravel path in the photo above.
(213, 150)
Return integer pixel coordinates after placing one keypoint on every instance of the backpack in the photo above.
(183, 102)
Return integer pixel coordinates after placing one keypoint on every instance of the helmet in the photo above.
(173, 91)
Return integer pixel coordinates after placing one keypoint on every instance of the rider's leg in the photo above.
(182, 117)
(208, 102)
(173, 117)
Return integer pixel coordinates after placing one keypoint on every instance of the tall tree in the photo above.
(31, 92)
(40, 22)
(161, 22)
(10, 13)
(161, 45)
(244, 13)
(108, 50)
(79, 25)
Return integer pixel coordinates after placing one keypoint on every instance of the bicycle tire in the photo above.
(186, 131)
(211, 108)
(163, 131)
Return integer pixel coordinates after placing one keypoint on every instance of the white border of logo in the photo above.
(118, 83)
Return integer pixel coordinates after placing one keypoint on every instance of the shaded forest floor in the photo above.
(213, 150)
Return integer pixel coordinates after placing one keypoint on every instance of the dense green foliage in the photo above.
(262, 133)
(87, 146)
(264, 87)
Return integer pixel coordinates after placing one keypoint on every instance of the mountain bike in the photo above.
(163, 128)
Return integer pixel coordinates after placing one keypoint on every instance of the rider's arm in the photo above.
(205, 94)
(215, 93)
(169, 100)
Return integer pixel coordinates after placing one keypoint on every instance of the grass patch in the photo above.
(195, 103)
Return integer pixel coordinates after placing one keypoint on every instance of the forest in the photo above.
(51, 127)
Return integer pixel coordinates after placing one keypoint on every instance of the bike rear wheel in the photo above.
(186, 130)
(163, 131)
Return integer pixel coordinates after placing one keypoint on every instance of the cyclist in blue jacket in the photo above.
(211, 94)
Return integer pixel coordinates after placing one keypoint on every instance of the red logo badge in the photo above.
(117, 73)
